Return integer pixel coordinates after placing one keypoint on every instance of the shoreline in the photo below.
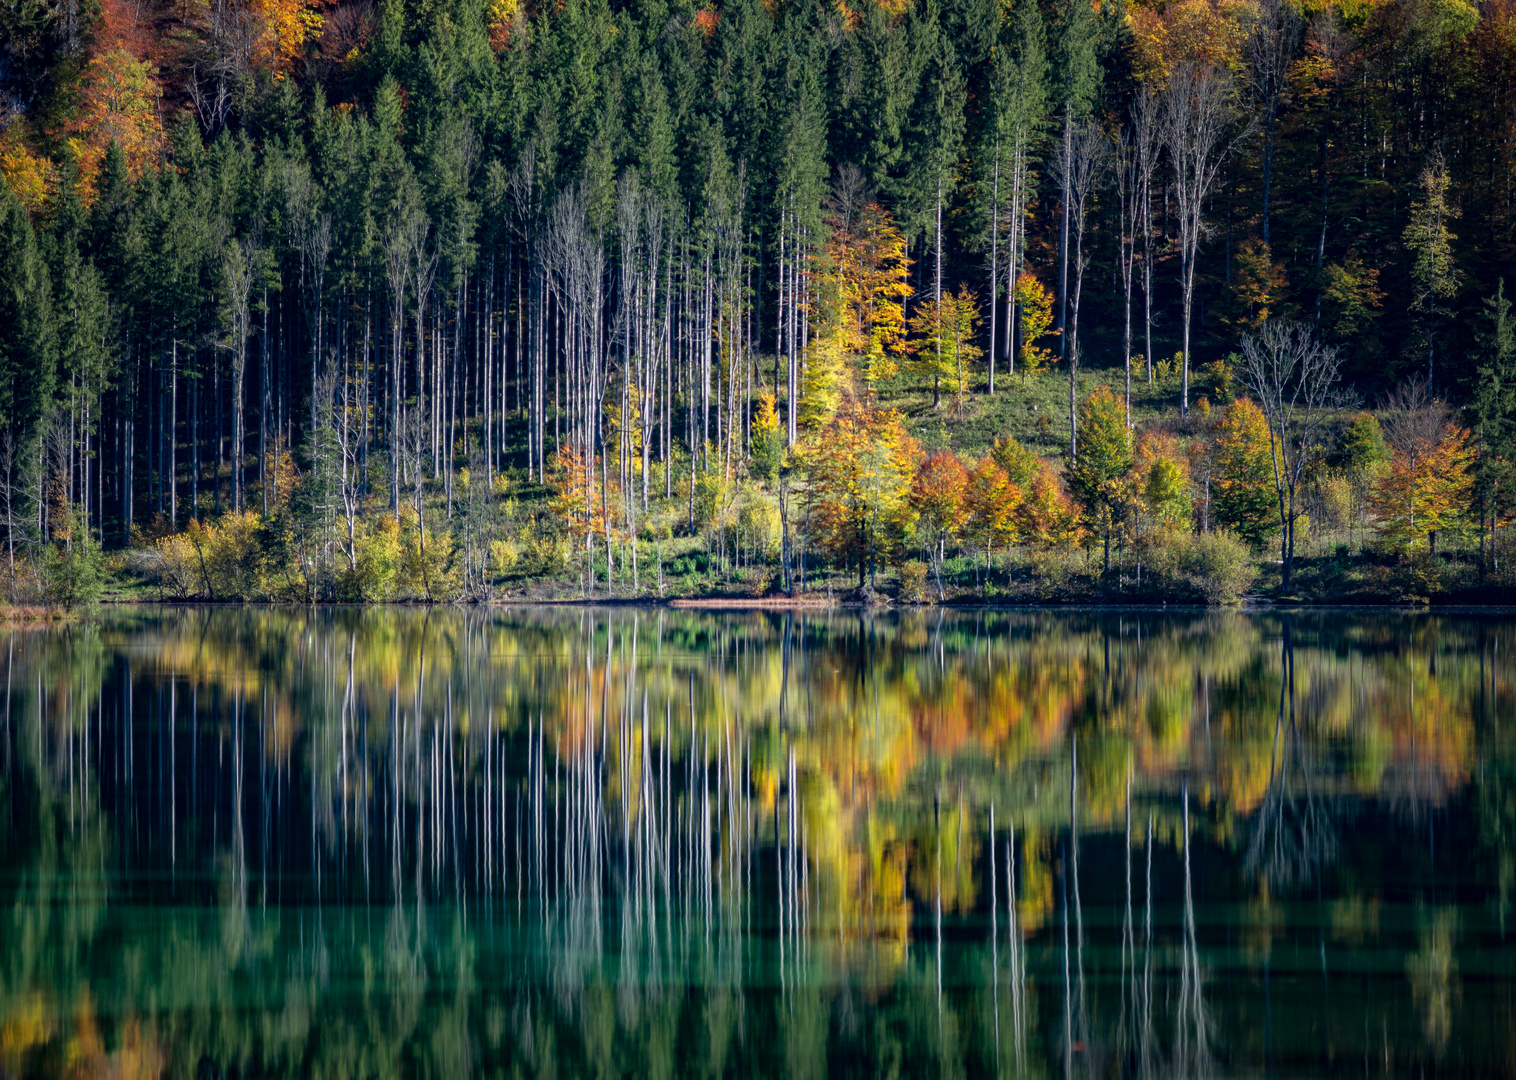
(790, 604)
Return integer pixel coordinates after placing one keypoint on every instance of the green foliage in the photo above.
(1166, 493)
(1216, 567)
(1243, 492)
(28, 335)
(73, 568)
(1363, 445)
(1102, 473)
(1495, 390)
(428, 568)
(768, 440)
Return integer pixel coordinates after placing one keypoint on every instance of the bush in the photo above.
(170, 564)
(233, 551)
(1063, 574)
(546, 556)
(428, 571)
(378, 550)
(1216, 567)
(912, 578)
(73, 572)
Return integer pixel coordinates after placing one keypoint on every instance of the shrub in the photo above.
(1062, 574)
(912, 579)
(1216, 567)
(428, 571)
(504, 556)
(171, 564)
(233, 552)
(72, 573)
(546, 556)
(378, 548)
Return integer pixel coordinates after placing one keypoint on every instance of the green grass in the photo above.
(1034, 411)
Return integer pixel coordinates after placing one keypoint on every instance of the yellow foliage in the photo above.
(501, 16)
(118, 103)
(291, 26)
(859, 469)
(861, 287)
(1035, 302)
(29, 175)
(1210, 31)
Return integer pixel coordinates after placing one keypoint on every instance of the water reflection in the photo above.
(357, 842)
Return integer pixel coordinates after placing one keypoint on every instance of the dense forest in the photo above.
(420, 299)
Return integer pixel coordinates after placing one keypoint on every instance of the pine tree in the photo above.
(1076, 84)
(1431, 243)
(28, 362)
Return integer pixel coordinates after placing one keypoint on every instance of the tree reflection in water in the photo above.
(395, 842)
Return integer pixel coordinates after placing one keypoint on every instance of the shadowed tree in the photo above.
(1293, 378)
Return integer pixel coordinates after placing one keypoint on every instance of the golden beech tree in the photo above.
(1035, 302)
(1242, 476)
(1048, 517)
(1163, 473)
(861, 287)
(992, 500)
(859, 469)
(1259, 285)
(27, 174)
(290, 26)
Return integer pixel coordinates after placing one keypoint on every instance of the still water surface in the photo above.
(558, 843)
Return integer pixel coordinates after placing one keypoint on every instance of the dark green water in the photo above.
(562, 843)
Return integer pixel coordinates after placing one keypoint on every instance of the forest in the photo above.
(934, 300)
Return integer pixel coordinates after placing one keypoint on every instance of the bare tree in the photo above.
(1147, 143)
(1293, 376)
(1077, 171)
(1272, 40)
(10, 492)
(346, 423)
(407, 232)
(1294, 833)
(1196, 112)
(238, 260)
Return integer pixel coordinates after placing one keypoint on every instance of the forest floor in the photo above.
(1333, 567)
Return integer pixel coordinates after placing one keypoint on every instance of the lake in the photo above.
(568, 842)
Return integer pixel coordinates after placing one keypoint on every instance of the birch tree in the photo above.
(1196, 114)
(1293, 378)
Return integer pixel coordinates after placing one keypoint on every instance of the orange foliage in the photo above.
(502, 17)
(937, 493)
(118, 103)
(578, 501)
(1427, 488)
(993, 502)
(705, 22)
(1049, 517)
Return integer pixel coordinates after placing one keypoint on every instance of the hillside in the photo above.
(460, 299)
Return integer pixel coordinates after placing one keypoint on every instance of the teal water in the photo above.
(578, 842)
